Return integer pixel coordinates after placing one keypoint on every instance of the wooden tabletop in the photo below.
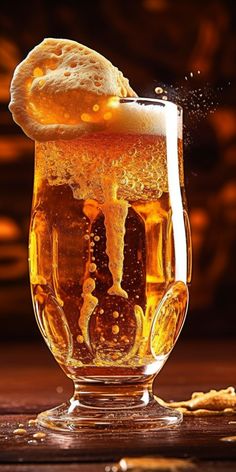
(31, 381)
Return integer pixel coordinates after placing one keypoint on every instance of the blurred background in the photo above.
(189, 49)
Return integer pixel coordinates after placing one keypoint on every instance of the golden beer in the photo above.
(102, 253)
(109, 259)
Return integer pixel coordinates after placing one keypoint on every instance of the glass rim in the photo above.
(157, 101)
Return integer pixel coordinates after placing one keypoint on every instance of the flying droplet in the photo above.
(158, 90)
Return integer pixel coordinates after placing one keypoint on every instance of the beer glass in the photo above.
(110, 260)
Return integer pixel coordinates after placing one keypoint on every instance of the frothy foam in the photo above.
(131, 117)
(58, 82)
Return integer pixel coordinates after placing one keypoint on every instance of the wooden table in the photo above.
(31, 381)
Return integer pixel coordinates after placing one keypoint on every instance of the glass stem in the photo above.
(111, 396)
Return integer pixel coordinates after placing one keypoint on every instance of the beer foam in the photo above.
(54, 88)
(135, 118)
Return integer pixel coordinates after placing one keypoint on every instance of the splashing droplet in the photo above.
(158, 90)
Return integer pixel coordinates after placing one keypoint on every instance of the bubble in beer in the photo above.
(115, 329)
(101, 311)
(86, 236)
(80, 339)
(96, 238)
(92, 267)
(96, 107)
(85, 117)
(124, 181)
(115, 314)
(107, 116)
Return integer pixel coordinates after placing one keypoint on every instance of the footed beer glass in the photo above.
(110, 259)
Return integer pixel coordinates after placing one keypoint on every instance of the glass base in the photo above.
(115, 413)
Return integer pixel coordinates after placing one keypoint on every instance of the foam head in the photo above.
(133, 117)
(59, 82)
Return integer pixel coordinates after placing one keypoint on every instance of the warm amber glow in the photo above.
(9, 230)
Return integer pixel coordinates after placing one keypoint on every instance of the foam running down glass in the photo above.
(110, 258)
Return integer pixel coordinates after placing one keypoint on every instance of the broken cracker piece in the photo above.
(221, 402)
(55, 88)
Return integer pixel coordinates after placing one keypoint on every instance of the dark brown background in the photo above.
(154, 42)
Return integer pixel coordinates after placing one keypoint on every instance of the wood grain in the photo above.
(31, 382)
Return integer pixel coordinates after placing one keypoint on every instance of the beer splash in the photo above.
(200, 99)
